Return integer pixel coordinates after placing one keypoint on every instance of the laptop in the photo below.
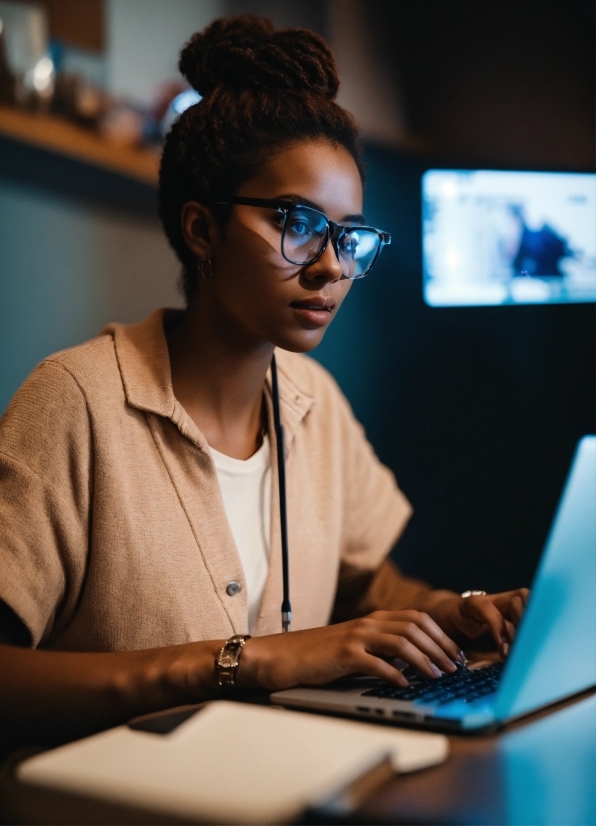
(553, 655)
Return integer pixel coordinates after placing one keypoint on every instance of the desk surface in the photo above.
(538, 771)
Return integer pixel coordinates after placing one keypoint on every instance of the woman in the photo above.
(136, 478)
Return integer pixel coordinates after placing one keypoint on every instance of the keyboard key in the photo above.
(463, 684)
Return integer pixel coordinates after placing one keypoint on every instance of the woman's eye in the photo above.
(350, 245)
(300, 228)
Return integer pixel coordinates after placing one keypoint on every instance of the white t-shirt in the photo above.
(246, 489)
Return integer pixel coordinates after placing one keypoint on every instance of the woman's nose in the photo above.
(326, 268)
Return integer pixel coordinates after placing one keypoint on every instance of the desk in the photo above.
(538, 771)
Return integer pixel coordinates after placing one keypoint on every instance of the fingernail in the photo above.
(463, 659)
(505, 648)
(435, 670)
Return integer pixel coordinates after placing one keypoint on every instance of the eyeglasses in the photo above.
(307, 231)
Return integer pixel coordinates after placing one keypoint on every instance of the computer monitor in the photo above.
(495, 237)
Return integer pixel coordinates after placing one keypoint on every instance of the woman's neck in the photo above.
(218, 377)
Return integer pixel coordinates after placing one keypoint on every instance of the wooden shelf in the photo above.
(56, 135)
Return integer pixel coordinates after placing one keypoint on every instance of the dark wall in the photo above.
(476, 410)
(309, 14)
(498, 81)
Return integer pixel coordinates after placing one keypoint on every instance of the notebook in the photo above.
(233, 763)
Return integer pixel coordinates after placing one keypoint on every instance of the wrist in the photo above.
(171, 676)
(433, 600)
(252, 665)
(441, 606)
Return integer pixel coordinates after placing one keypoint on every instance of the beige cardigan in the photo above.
(113, 533)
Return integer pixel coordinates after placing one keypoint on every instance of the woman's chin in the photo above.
(299, 341)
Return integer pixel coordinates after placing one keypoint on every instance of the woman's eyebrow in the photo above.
(357, 218)
(300, 199)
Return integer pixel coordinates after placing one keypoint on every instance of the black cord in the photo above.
(286, 608)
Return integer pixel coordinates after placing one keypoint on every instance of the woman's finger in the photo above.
(510, 630)
(424, 642)
(524, 594)
(390, 645)
(388, 620)
(375, 667)
(430, 627)
(428, 646)
(515, 609)
(481, 609)
(512, 603)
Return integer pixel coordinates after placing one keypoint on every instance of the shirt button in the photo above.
(233, 588)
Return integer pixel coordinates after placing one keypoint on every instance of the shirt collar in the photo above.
(144, 362)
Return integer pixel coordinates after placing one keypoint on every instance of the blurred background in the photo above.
(476, 409)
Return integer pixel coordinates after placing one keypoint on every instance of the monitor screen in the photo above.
(492, 237)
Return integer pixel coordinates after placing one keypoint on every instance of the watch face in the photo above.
(228, 660)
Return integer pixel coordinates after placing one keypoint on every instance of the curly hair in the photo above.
(262, 90)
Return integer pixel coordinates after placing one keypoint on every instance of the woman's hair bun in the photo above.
(247, 52)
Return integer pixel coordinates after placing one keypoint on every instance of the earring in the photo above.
(202, 266)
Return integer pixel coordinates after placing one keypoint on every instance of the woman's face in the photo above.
(254, 291)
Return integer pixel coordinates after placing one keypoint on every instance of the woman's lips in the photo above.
(315, 311)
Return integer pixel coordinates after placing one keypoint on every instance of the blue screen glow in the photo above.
(492, 237)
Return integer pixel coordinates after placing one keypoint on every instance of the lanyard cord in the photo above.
(286, 608)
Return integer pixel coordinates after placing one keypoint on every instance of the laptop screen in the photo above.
(554, 653)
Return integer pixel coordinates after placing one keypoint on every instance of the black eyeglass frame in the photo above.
(335, 232)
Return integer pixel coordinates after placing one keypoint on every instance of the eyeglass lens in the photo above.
(307, 231)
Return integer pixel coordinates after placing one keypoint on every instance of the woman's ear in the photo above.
(199, 228)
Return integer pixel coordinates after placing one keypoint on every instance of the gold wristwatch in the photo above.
(229, 658)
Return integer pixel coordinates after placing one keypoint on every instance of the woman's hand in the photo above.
(499, 614)
(361, 646)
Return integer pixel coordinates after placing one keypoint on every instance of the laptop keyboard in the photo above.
(463, 684)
